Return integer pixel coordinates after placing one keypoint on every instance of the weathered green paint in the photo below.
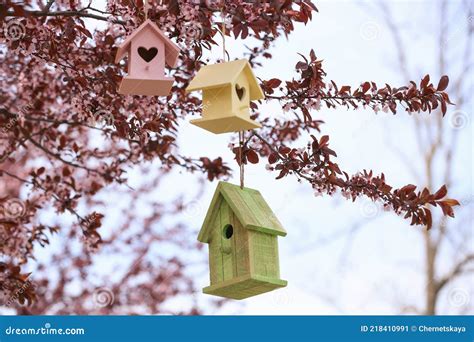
(248, 205)
(265, 260)
(215, 257)
(227, 251)
(241, 247)
(244, 287)
(246, 264)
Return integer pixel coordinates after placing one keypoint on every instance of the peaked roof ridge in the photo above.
(221, 74)
(171, 56)
(243, 64)
(248, 205)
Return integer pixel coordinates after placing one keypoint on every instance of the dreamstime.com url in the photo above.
(46, 330)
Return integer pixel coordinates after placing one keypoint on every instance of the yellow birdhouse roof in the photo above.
(222, 74)
(172, 50)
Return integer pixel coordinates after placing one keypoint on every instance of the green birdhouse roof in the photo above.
(248, 205)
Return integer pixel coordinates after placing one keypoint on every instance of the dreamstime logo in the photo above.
(369, 30)
(369, 209)
(19, 292)
(458, 297)
(101, 116)
(192, 31)
(467, 201)
(281, 297)
(458, 119)
(193, 209)
(65, 78)
(14, 118)
(14, 30)
(207, 105)
(12, 209)
(103, 297)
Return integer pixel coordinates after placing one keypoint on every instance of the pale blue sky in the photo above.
(380, 268)
(384, 266)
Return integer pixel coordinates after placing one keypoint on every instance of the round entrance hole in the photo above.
(228, 231)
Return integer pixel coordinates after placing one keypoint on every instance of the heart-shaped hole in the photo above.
(240, 92)
(147, 54)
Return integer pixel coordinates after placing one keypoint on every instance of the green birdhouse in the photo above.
(242, 232)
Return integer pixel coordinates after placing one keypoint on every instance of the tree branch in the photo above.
(456, 271)
(79, 14)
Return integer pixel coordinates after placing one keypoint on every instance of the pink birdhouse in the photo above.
(148, 51)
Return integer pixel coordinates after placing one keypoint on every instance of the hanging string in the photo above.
(146, 10)
(241, 133)
(241, 144)
(223, 29)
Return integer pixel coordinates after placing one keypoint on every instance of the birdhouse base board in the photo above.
(226, 124)
(244, 287)
(134, 86)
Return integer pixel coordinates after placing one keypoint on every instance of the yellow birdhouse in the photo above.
(227, 89)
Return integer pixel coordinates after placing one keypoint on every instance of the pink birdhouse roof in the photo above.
(172, 50)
